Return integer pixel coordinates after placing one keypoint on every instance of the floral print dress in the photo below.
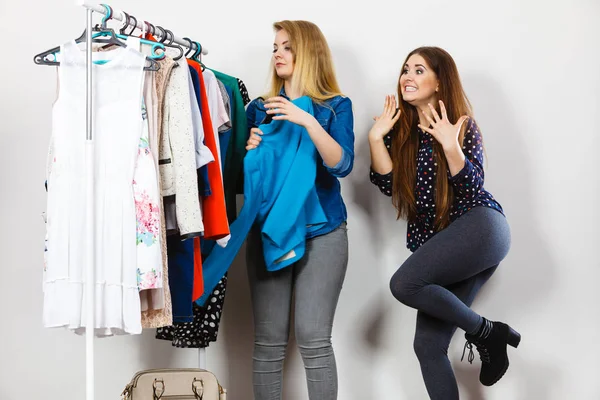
(147, 210)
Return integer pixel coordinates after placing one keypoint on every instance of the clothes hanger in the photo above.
(163, 36)
(41, 59)
(99, 37)
(172, 45)
(197, 53)
(124, 23)
(134, 26)
(155, 46)
(191, 46)
(197, 49)
(114, 40)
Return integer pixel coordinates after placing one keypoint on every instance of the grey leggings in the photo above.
(316, 281)
(441, 280)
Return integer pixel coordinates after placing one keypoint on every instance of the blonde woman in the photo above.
(302, 66)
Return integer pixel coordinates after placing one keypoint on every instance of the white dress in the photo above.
(117, 88)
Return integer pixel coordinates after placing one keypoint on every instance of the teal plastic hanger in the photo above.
(197, 54)
(105, 31)
(155, 45)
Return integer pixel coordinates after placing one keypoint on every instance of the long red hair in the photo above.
(405, 139)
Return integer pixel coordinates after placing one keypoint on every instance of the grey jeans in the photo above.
(316, 281)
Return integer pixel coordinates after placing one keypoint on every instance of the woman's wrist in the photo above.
(376, 137)
(311, 123)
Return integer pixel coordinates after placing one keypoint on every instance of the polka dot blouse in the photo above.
(467, 185)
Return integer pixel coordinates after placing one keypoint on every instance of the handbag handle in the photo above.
(154, 388)
(198, 385)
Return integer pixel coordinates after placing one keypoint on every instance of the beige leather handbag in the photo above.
(174, 384)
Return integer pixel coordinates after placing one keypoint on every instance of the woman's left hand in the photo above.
(283, 109)
(441, 129)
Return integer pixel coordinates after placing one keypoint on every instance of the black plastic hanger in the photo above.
(163, 36)
(191, 46)
(134, 25)
(125, 23)
(112, 39)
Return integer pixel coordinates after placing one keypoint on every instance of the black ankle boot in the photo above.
(491, 341)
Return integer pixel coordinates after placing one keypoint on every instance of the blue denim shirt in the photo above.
(337, 118)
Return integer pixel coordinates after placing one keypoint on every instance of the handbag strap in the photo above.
(155, 390)
(198, 388)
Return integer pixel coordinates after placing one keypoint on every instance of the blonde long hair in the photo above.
(314, 75)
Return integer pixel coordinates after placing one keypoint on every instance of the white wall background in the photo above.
(531, 69)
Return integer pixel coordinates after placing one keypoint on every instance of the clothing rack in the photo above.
(89, 154)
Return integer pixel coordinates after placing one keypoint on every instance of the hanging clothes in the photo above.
(181, 143)
(210, 320)
(205, 326)
(225, 129)
(203, 154)
(147, 202)
(225, 98)
(216, 225)
(147, 198)
(215, 104)
(236, 149)
(155, 316)
(155, 303)
(204, 329)
(218, 113)
(243, 92)
(203, 181)
(153, 298)
(177, 154)
(117, 297)
(207, 318)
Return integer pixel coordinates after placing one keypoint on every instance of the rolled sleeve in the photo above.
(383, 182)
(251, 114)
(342, 131)
(343, 167)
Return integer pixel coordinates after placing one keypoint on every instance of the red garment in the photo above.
(216, 225)
(198, 289)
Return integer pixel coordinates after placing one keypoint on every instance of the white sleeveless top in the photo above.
(117, 99)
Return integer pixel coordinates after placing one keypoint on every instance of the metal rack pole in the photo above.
(90, 286)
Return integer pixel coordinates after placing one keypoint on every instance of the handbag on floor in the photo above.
(174, 383)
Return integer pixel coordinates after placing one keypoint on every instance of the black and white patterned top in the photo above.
(204, 328)
(467, 185)
(244, 92)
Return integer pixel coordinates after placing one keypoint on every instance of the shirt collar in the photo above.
(282, 93)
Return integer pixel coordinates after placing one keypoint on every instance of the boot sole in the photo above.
(499, 376)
